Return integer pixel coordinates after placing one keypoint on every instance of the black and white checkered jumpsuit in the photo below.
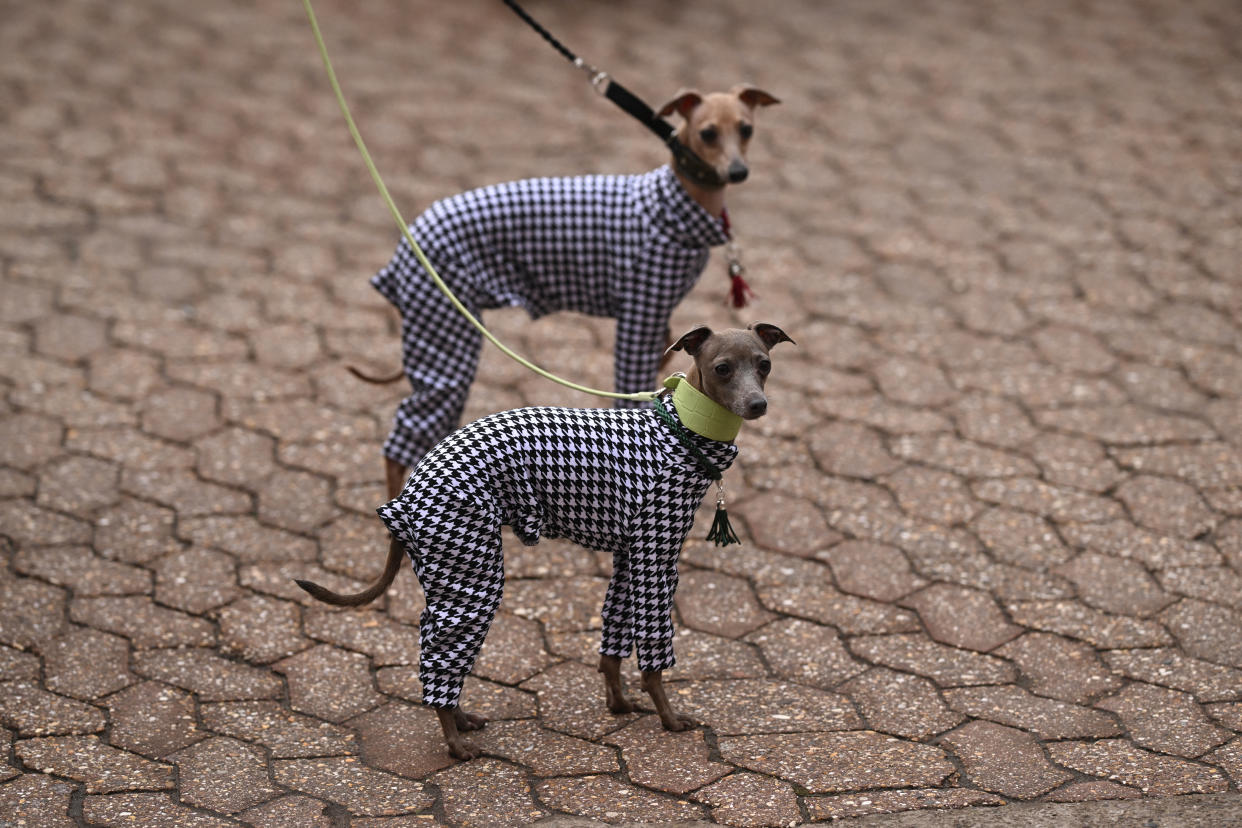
(628, 247)
(615, 480)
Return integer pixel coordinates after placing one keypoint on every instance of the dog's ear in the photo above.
(753, 96)
(769, 335)
(682, 103)
(691, 341)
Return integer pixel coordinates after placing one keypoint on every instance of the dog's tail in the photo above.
(374, 380)
(357, 599)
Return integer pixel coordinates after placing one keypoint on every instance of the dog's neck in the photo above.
(700, 413)
(713, 200)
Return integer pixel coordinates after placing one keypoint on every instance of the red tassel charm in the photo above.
(740, 292)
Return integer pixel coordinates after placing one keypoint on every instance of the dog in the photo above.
(624, 481)
(628, 247)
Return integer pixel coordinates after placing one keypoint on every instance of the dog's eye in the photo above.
(723, 369)
(708, 135)
(765, 367)
(746, 130)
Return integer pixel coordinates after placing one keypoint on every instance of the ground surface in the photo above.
(993, 522)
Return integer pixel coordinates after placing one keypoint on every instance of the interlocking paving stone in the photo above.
(758, 565)
(1206, 631)
(15, 665)
(81, 570)
(146, 624)
(28, 524)
(761, 706)
(572, 605)
(1164, 720)
(157, 810)
(223, 774)
(37, 799)
(719, 604)
(806, 653)
(206, 674)
(1021, 539)
(824, 808)
(1166, 506)
(947, 666)
(262, 629)
(546, 753)
(285, 734)
(1217, 584)
(872, 570)
(1230, 715)
(571, 699)
(292, 811)
(153, 719)
(900, 704)
(1091, 792)
(371, 633)
(934, 495)
(1073, 619)
(834, 762)
(347, 782)
(183, 492)
(1060, 668)
(402, 739)
(86, 664)
(962, 617)
(32, 711)
(852, 451)
(1115, 585)
(673, 762)
(825, 605)
(747, 800)
(195, 580)
(329, 683)
(1046, 718)
(605, 798)
(1003, 760)
(102, 768)
(1229, 758)
(1151, 773)
(246, 538)
(1056, 502)
(78, 485)
(235, 456)
(487, 792)
(135, 532)
(1125, 540)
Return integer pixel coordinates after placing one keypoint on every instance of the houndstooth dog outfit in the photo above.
(616, 480)
(628, 247)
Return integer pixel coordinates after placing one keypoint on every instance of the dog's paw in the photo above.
(678, 722)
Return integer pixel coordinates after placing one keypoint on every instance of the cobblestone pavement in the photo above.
(993, 522)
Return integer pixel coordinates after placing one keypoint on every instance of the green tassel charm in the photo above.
(722, 533)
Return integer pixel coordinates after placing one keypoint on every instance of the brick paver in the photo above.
(992, 523)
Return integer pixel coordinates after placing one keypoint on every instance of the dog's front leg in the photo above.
(653, 683)
(610, 666)
(453, 720)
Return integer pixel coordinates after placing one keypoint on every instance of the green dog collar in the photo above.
(701, 414)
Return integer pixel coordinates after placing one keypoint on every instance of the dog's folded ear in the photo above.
(753, 96)
(691, 341)
(682, 103)
(769, 335)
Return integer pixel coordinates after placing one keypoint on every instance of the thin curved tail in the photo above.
(357, 599)
(374, 380)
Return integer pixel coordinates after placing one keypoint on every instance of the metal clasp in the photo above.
(599, 78)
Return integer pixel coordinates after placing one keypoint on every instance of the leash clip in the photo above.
(598, 77)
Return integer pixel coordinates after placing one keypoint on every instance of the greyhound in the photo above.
(625, 481)
(628, 247)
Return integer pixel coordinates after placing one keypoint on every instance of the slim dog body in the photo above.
(616, 480)
(625, 247)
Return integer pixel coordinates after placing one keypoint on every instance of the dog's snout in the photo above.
(757, 407)
(738, 172)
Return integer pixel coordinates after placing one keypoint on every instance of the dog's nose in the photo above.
(757, 407)
(738, 172)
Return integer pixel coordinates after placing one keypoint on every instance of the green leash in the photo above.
(642, 396)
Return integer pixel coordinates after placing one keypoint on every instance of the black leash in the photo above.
(685, 159)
